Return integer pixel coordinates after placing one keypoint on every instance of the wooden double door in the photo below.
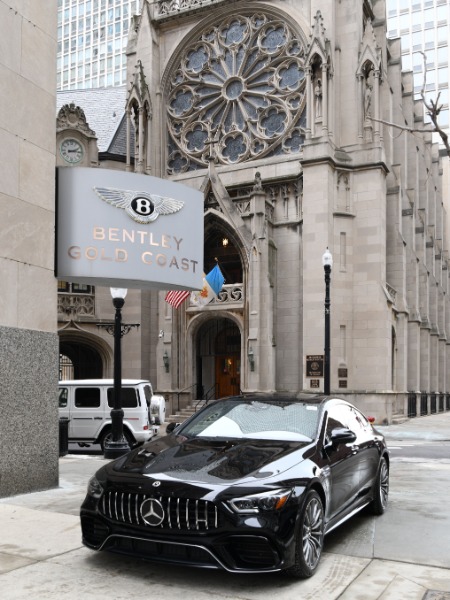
(228, 374)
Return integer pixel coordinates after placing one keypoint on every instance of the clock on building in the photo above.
(71, 150)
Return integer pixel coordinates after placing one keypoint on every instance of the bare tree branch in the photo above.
(402, 127)
(433, 109)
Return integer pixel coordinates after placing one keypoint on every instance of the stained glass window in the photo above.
(238, 93)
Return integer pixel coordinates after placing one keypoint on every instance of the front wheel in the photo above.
(309, 539)
(381, 489)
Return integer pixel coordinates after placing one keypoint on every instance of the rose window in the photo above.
(237, 94)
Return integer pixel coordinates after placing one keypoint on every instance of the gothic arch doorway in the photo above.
(86, 361)
(218, 352)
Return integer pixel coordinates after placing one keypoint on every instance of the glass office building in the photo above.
(92, 39)
(423, 26)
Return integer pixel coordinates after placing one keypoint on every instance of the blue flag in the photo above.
(215, 279)
(212, 284)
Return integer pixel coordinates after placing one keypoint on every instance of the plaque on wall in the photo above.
(342, 383)
(314, 383)
(343, 372)
(314, 365)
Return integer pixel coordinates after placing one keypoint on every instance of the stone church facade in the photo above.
(278, 112)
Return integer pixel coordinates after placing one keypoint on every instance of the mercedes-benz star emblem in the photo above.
(142, 207)
(152, 512)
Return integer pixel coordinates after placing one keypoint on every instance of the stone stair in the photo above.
(399, 419)
(181, 415)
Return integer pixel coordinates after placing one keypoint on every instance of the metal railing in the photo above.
(423, 403)
(211, 394)
(190, 387)
(433, 403)
(412, 404)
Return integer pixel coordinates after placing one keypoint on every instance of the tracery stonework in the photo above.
(237, 94)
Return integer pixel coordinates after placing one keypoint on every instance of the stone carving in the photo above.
(242, 83)
(73, 117)
(318, 98)
(76, 305)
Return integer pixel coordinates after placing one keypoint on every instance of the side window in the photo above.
(355, 423)
(362, 420)
(336, 418)
(63, 395)
(87, 397)
(128, 398)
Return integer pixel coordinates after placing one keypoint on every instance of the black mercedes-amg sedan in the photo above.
(249, 484)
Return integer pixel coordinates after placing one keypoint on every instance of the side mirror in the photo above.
(171, 426)
(341, 435)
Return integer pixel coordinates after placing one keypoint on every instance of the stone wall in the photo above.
(28, 340)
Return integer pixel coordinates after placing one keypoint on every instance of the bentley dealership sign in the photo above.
(128, 230)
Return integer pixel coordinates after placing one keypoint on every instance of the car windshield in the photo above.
(254, 419)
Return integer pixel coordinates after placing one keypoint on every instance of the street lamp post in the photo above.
(118, 445)
(327, 262)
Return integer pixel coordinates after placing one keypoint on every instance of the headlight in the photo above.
(94, 488)
(255, 503)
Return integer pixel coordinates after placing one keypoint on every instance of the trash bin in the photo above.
(63, 436)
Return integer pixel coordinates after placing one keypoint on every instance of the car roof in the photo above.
(101, 381)
(303, 398)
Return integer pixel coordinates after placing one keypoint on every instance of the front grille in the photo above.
(163, 551)
(179, 513)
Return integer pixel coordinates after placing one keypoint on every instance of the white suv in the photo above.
(87, 403)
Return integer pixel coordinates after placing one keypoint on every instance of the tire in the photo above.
(381, 489)
(309, 538)
(107, 435)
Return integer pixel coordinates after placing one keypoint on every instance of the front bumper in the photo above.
(224, 540)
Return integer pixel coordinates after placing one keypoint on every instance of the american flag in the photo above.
(176, 297)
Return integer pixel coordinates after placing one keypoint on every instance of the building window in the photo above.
(212, 96)
(75, 288)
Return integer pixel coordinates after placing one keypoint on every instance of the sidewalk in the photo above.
(432, 428)
(403, 555)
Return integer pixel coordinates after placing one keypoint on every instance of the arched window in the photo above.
(238, 92)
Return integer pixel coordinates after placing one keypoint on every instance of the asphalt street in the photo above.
(402, 555)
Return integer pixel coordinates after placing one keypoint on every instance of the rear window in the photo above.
(128, 398)
(87, 397)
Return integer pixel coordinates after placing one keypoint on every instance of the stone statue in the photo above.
(318, 97)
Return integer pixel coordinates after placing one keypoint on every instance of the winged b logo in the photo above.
(142, 207)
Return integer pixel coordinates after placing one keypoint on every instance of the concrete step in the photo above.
(398, 419)
(181, 415)
(184, 413)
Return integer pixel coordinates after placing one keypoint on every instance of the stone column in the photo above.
(309, 97)
(376, 108)
(260, 300)
(148, 163)
(360, 108)
(141, 138)
(128, 163)
(324, 99)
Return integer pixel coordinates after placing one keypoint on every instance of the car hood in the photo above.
(210, 460)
